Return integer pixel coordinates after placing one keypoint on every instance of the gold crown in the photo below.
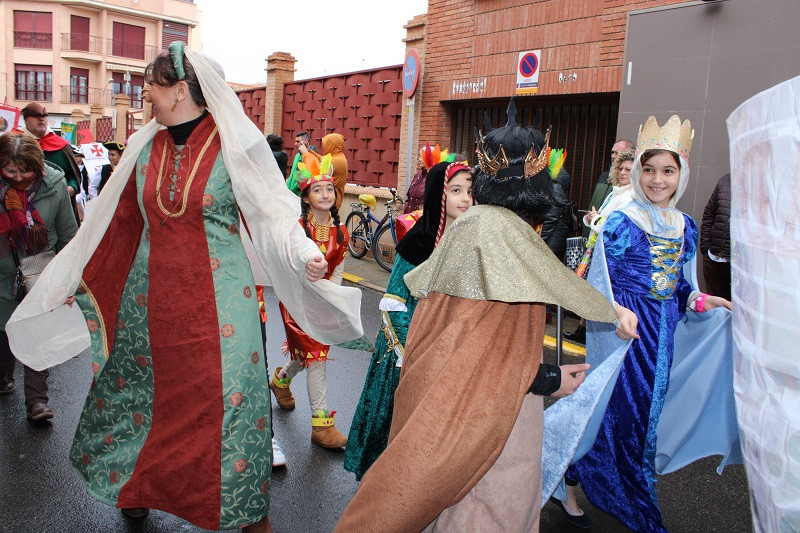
(672, 136)
(534, 163)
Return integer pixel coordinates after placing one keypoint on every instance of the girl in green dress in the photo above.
(448, 193)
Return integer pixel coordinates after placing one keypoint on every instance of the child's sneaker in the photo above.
(278, 458)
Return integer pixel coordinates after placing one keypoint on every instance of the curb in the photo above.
(357, 280)
(569, 348)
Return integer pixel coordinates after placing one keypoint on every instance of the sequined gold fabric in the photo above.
(490, 253)
(665, 255)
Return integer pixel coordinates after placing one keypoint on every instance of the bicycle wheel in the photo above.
(383, 247)
(358, 229)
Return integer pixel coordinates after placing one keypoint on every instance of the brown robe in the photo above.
(452, 418)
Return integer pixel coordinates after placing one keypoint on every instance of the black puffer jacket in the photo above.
(715, 231)
(557, 225)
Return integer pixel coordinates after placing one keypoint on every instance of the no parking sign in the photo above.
(528, 72)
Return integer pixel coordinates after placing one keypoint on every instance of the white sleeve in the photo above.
(338, 274)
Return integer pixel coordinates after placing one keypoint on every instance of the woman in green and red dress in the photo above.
(178, 417)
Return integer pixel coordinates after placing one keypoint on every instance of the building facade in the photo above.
(471, 58)
(77, 55)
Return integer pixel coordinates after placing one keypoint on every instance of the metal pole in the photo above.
(410, 144)
(559, 347)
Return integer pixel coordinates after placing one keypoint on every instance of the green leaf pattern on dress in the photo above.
(117, 414)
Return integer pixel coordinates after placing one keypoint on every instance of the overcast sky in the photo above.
(326, 37)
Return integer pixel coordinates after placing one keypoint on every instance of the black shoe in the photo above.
(135, 513)
(39, 412)
(579, 335)
(6, 384)
(583, 521)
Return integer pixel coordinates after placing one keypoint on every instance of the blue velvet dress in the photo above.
(646, 273)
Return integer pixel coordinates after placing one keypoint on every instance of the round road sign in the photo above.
(411, 69)
(528, 65)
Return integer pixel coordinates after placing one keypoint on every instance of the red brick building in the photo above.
(470, 51)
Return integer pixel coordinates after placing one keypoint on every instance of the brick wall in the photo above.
(365, 107)
(480, 40)
(253, 102)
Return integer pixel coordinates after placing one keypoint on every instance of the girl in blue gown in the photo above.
(646, 245)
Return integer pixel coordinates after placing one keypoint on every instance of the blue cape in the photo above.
(699, 415)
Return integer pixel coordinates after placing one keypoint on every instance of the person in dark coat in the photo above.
(82, 195)
(557, 224)
(276, 144)
(715, 240)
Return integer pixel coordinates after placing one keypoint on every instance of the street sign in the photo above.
(411, 69)
(528, 72)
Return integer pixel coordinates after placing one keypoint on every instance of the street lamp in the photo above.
(109, 82)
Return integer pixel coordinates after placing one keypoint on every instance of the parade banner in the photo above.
(69, 132)
(9, 118)
(764, 137)
(95, 156)
(84, 137)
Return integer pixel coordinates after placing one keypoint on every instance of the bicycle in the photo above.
(382, 240)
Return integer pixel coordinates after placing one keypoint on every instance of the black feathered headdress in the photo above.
(512, 168)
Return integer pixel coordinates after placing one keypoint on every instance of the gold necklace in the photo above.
(181, 203)
(321, 231)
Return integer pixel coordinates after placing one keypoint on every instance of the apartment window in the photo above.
(172, 31)
(128, 41)
(79, 85)
(137, 84)
(79, 33)
(33, 82)
(33, 29)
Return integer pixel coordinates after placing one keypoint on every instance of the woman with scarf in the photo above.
(35, 216)
(621, 195)
(178, 418)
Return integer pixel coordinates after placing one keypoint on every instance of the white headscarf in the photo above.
(44, 332)
(667, 222)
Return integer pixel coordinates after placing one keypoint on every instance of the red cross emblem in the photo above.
(97, 150)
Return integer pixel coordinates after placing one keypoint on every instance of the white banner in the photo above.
(764, 137)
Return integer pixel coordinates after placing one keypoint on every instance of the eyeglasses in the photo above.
(37, 115)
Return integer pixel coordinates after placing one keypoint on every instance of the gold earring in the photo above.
(175, 104)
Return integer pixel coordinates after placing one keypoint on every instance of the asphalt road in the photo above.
(39, 491)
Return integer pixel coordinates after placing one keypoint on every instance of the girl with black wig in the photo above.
(465, 434)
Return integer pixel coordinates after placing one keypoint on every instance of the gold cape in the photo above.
(490, 253)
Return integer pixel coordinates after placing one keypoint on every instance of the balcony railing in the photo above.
(85, 95)
(131, 50)
(32, 39)
(33, 91)
(82, 42)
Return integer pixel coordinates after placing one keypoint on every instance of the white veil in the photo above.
(44, 332)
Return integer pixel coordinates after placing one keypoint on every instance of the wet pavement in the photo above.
(40, 492)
